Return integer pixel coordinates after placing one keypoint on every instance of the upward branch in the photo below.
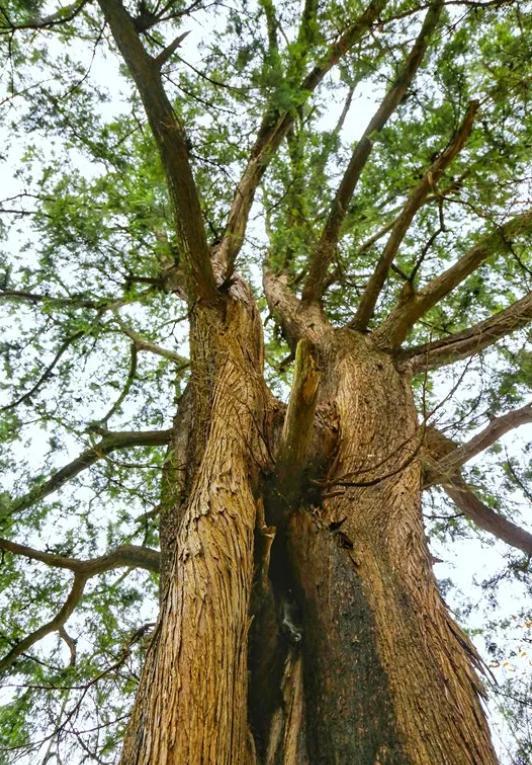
(396, 327)
(486, 518)
(443, 459)
(316, 279)
(274, 127)
(171, 142)
(456, 455)
(470, 341)
(402, 224)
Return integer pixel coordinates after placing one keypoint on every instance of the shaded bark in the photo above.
(388, 674)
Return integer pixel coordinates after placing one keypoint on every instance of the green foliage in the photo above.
(89, 258)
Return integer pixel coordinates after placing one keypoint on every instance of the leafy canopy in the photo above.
(95, 285)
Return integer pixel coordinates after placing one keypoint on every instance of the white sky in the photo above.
(464, 561)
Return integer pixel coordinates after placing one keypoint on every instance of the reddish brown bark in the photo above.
(388, 673)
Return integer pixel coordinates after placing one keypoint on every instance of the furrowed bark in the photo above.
(388, 674)
(192, 701)
(316, 278)
(353, 656)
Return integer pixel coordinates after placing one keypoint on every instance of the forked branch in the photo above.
(125, 555)
(142, 344)
(297, 319)
(55, 624)
(322, 255)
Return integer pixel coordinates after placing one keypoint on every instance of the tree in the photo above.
(299, 617)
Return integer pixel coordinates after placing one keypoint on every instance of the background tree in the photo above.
(252, 451)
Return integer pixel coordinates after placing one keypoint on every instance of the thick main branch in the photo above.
(452, 456)
(171, 143)
(134, 556)
(486, 518)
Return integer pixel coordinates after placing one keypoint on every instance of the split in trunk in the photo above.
(300, 620)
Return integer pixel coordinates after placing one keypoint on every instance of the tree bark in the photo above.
(388, 674)
(313, 634)
(192, 699)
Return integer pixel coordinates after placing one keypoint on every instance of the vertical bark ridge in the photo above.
(191, 705)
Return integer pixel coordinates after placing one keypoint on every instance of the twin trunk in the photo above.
(322, 639)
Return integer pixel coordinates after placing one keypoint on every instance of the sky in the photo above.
(467, 562)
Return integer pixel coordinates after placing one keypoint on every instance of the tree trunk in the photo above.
(192, 699)
(388, 674)
(323, 640)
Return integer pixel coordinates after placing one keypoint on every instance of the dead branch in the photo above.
(297, 433)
